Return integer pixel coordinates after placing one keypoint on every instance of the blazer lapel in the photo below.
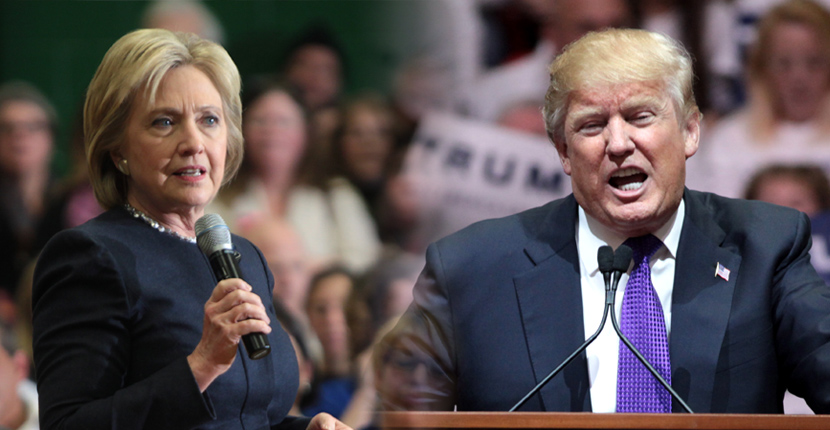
(550, 302)
(701, 302)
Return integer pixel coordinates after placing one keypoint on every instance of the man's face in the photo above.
(626, 152)
(316, 70)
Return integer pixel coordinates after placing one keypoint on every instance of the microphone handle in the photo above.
(564, 363)
(645, 362)
(225, 267)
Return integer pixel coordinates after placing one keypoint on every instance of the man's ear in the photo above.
(562, 150)
(692, 133)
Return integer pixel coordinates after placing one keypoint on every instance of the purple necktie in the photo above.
(642, 322)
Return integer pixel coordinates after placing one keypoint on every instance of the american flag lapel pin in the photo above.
(722, 272)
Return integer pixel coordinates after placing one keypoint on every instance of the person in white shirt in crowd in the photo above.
(277, 180)
(787, 119)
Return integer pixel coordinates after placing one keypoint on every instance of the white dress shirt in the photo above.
(603, 353)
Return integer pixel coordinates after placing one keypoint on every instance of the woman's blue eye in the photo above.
(211, 120)
(162, 122)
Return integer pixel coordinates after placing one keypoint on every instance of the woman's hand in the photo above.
(324, 421)
(231, 312)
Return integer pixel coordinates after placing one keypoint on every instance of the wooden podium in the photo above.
(586, 420)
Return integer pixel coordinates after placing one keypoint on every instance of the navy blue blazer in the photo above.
(500, 306)
(118, 306)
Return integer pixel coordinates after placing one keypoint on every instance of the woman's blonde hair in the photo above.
(138, 61)
(618, 56)
(761, 107)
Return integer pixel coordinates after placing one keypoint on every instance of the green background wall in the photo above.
(57, 45)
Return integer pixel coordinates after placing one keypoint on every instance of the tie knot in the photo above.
(643, 247)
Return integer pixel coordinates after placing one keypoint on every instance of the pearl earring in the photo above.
(123, 167)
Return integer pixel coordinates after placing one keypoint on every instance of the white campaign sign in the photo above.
(465, 171)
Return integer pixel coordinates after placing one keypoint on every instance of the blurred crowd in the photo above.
(324, 194)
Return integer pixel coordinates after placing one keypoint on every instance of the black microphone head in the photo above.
(605, 258)
(212, 234)
(622, 258)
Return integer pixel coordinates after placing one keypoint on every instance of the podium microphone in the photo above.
(606, 260)
(622, 259)
(214, 239)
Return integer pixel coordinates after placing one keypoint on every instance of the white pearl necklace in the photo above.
(155, 224)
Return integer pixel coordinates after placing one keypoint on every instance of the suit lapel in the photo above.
(701, 302)
(550, 301)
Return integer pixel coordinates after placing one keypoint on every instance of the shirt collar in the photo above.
(591, 234)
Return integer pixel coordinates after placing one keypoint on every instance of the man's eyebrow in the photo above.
(644, 101)
(585, 111)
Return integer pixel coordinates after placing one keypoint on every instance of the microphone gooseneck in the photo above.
(622, 259)
(214, 239)
(605, 259)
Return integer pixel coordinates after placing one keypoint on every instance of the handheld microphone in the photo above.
(214, 239)
(622, 259)
(605, 259)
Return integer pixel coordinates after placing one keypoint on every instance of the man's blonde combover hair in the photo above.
(137, 62)
(618, 56)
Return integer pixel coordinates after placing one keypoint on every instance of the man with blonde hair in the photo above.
(721, 298)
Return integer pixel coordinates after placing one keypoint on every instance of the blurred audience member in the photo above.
(300, 340)
(510, 30)
(327, 313)
(524, 116)
(806, 188)
(527, 78)
(363, 145)
(189, 16)
(802, 187)
(398, 213)
(373, 309)
(404, 375)
(315, 65)
(276, 180)
(707, 29)
(389, 285)
(23, 322)
(283, 250)
(787, 119)
(421, 84)
(27, 129)
(72, 201)
(18, 395)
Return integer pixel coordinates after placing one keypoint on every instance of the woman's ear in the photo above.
(121, 163)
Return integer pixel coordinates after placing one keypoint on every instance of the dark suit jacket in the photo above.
(499, 305)
(118, 306)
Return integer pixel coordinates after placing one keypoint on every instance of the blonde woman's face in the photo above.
(176, 146)
(799, 72)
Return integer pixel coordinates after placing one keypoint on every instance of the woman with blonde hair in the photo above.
(280, 180)
(131, 328)
(787, 119)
